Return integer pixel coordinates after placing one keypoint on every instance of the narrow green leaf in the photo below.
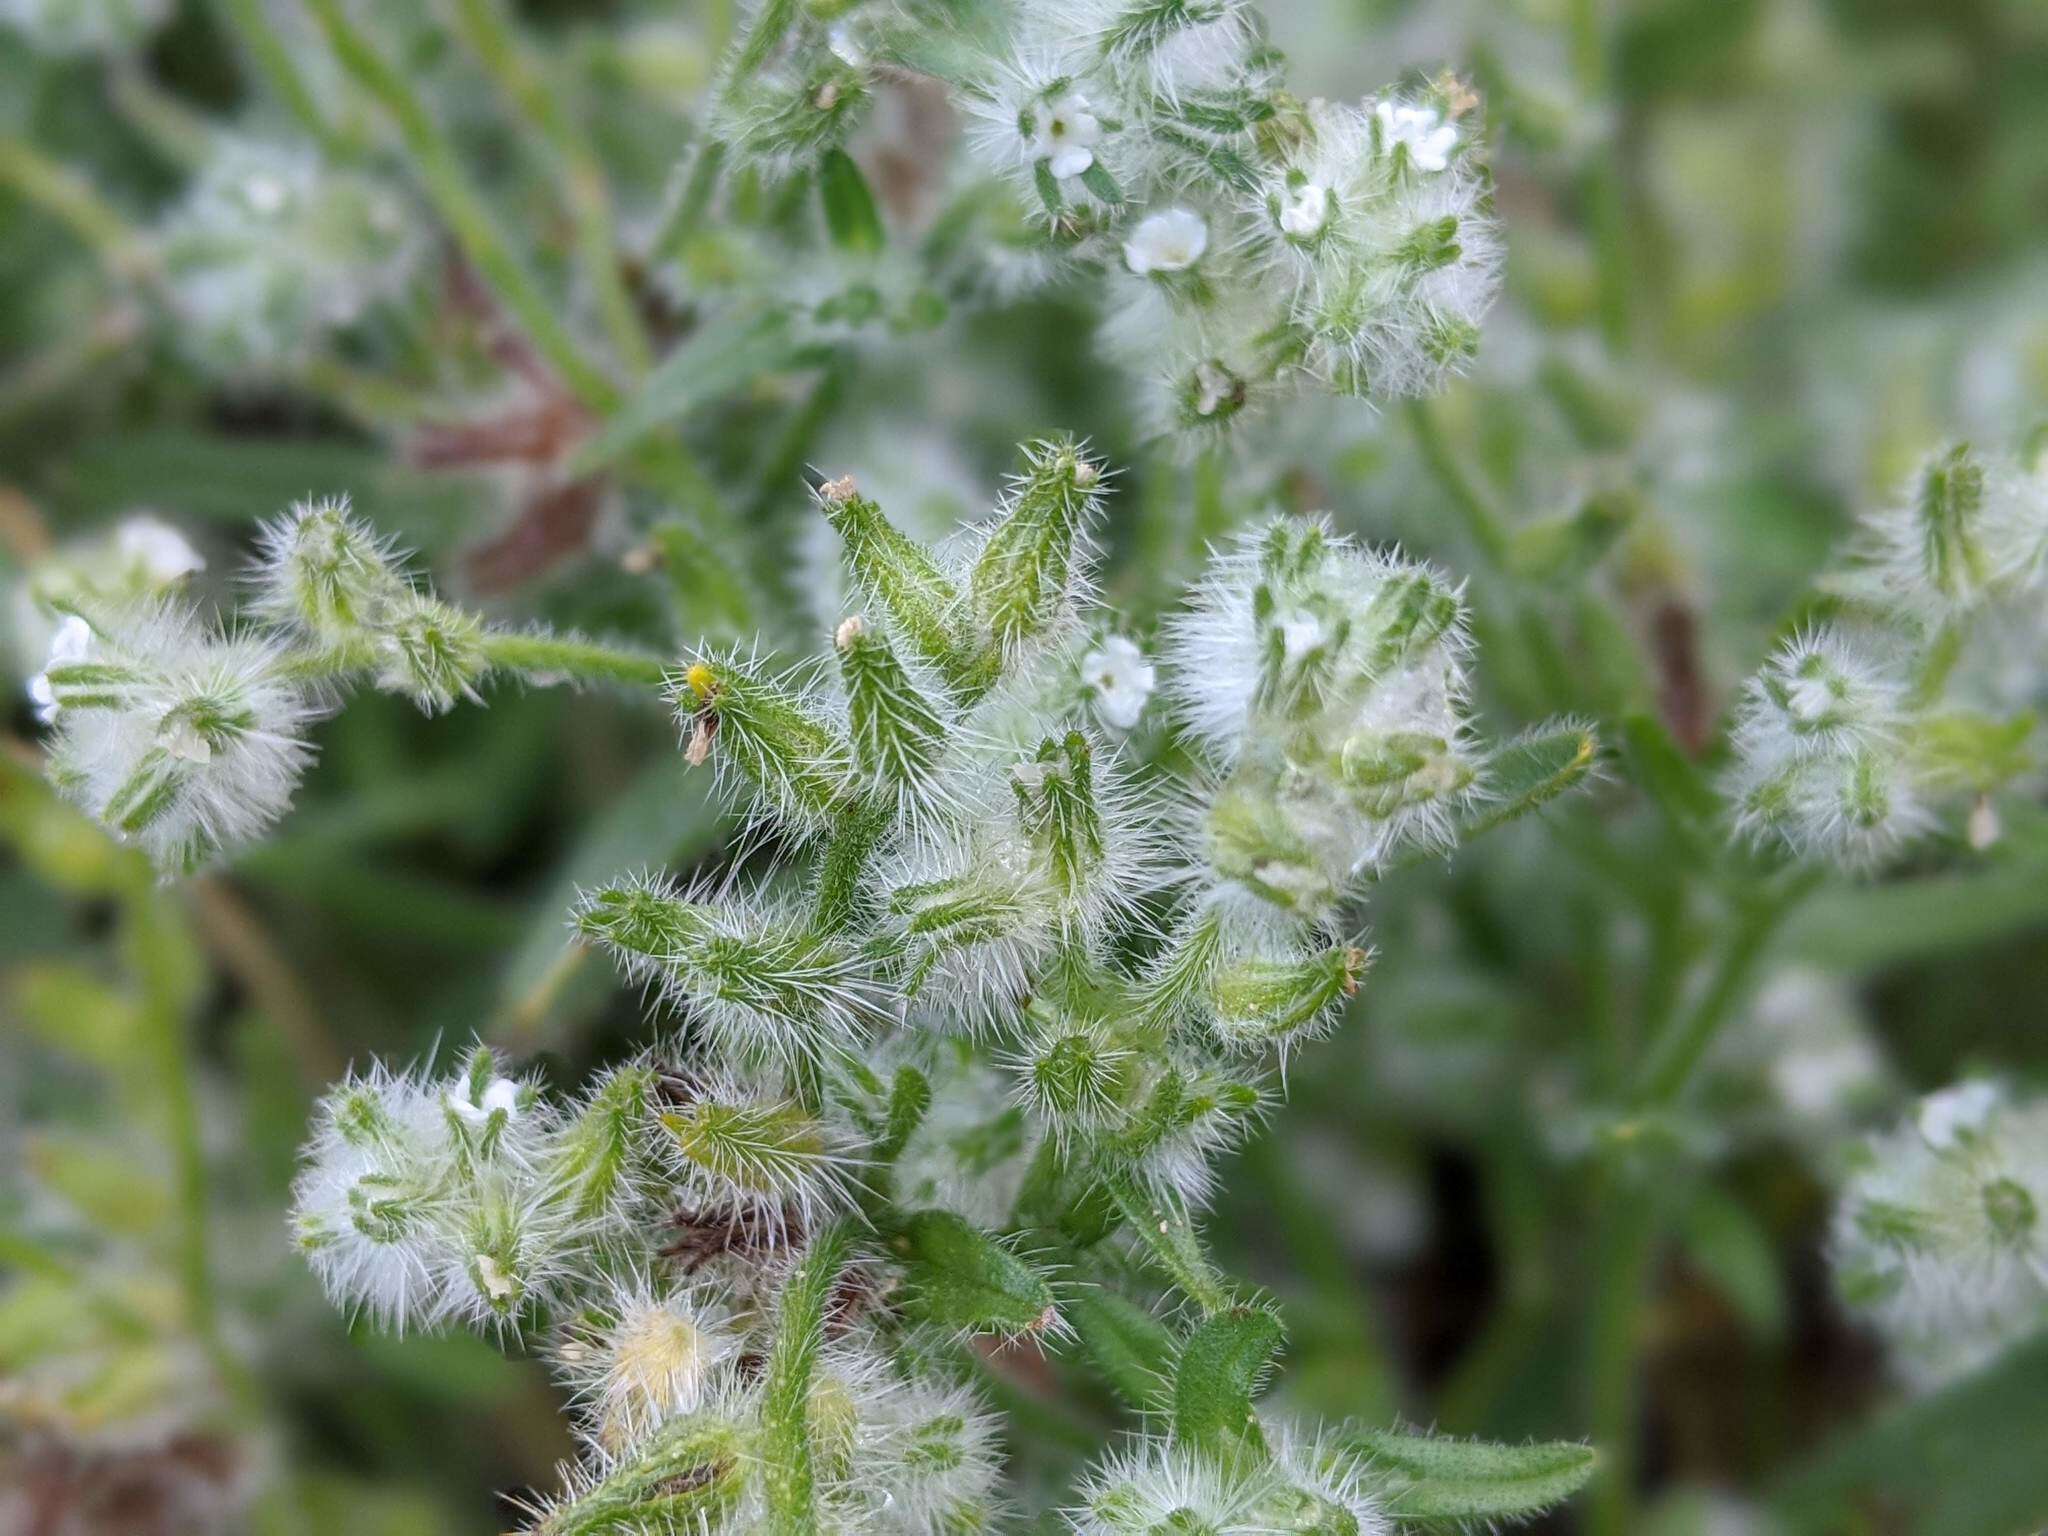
(909, 1097)
(851, 217)
(1434, 1480)
(1160, 1221)
(788, 1467)
(724, 356)
(1526, 774)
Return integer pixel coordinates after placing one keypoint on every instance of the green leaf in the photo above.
(1220, 1370)
(959, 1277)
(1672, 780)
(1962, 1461)
(851, 216)
(909, 1097)
(666, 815)
(1728, 1245)
(1565, 547)
(1526, 774)
(788, 1458)
(727, 354)
(1435, 1480)
(1131, 1347)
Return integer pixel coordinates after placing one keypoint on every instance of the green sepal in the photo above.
(958, 1277)
(1220, 1370)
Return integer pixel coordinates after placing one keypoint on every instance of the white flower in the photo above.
(1122, 679)
(1066, 133)
(1170, 241)
(161, 552)
(72, 642)
(502, 1093)
(1305, 211)
(1956, 1114)
(1421, 131)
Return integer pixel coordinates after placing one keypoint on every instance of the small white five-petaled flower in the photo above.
(502, 1093)
(1422, 131)
(1306, 211)
(1170, 241)
(1066, 135)
(1122, 679)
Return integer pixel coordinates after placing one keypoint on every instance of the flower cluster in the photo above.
(1252, 243)
(190, 738)
(1918, 689)
(1939, 1239)
(270, 252)
(140, 558)
(1029, 971)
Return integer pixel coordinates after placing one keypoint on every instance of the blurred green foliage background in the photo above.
(1762, 254)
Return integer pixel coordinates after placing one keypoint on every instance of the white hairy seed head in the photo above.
(369, 1196)
(1967, 529)
(1939, 1239)
(143, 557)
(1152, 1486)
(185, 741)
(643, 1352)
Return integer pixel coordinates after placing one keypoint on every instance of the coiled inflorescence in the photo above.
(1253, 243)
(1028, 970)
(1918, 689)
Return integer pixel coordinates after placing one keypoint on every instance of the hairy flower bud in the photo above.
(326, 574)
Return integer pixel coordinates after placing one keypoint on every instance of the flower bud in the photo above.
(772, 735)
(326, 574)
(430, 651)
(1025, 577)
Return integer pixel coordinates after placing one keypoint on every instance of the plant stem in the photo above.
(158, 952)
(1684, 1045)
(66, 195)
(490, 34)
(1482, 521)
(460, 204)
(1625, 1245)
(694, 198)
(268, 51)
(580, 659)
